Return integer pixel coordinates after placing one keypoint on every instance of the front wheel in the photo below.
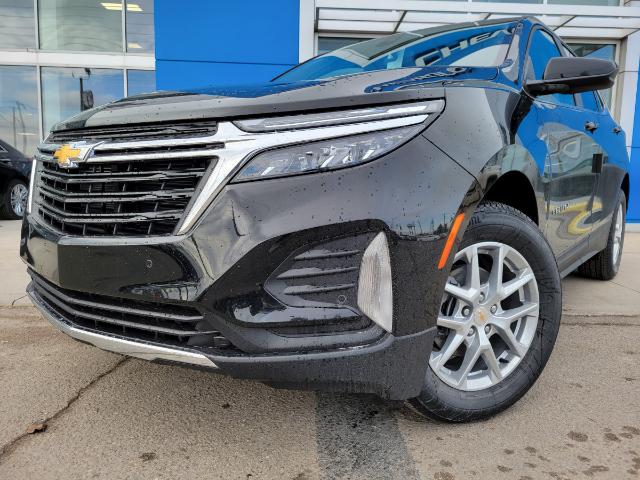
(498, 320)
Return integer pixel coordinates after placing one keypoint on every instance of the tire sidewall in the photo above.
(622, 201)
(506, 225)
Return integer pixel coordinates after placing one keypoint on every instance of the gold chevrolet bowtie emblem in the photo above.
(65, 155)
(69, 155)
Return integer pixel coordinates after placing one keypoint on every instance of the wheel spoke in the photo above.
(489, 357)
(465, 294)
(512, 286)
(473, 268)
(504, 331)
(511, 315)
(451, 322)
(453, 342)
(470, 359)
(495, 277)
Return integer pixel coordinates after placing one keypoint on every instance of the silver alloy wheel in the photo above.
(488, 318)
(617, 234)
(19, 194)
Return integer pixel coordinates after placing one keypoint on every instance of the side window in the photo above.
(542, 48)
(589, 101)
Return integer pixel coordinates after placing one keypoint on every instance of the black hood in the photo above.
(385, 86)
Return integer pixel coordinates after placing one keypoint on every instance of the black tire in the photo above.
(496, 222)
(605, 264)
(7, 211)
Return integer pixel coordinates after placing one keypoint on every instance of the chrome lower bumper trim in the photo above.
(119, 345)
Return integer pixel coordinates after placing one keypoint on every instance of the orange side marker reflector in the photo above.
(446, 251)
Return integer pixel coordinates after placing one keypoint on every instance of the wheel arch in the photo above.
(513, 177)
(514, 188)
(625, 187)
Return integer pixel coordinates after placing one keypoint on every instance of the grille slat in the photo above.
(139, 132)
(170, 325)
(322, 275)
(136, 183)
(120, 177)
(111, 217)
(88, 197)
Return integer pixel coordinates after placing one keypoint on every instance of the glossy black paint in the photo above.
(13, 164)
(491, 136)
(574, 75)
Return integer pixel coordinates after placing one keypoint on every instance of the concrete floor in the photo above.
(110, 417)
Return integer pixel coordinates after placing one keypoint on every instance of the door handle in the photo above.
(617, 129)
(591, 126)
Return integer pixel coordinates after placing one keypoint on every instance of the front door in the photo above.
(570, 152)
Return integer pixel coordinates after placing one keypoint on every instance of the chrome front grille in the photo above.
(156, 179)
(134, 183)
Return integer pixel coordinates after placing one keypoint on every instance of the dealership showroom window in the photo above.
(56, 57)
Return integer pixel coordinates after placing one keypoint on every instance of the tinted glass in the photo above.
(606, 51)
(140, 26)
(17, 25)
(80, 25)
(328, 44)
(469, 46)
(613, 3)
(542, 48)
(141, 81)
(589, 101)
(67, 91)
(18, 109)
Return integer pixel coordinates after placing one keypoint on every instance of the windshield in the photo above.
(468, 45)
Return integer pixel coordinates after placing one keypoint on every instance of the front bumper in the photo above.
(223, 270)
(373, 368)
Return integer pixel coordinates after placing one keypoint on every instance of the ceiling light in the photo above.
(131, 45)
(131, 7)
(111, 5)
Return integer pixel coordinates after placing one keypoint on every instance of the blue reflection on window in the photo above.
(141, 81)
(467, 46)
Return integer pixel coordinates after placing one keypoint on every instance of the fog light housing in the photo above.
(375, 294)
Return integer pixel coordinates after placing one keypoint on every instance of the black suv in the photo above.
(393, 217)
(15, 169)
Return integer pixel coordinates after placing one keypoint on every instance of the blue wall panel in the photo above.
(178, 75)
(218, 42)
(633, 214)
(634, 174)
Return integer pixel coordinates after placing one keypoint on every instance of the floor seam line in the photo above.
(624, 286)
(10, 446)
(601, 324)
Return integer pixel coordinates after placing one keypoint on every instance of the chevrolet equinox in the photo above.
(393, 217)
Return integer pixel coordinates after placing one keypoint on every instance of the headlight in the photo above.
(339, 117)
(325, 155)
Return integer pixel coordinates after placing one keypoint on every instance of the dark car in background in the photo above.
(15, 169)
(393, 217)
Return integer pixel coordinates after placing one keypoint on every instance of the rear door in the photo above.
(607, 168)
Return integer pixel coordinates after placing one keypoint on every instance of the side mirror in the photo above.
(574, 75)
